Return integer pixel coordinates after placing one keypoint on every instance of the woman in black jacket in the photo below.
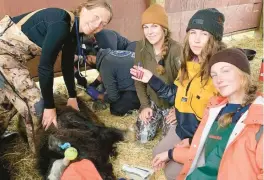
(46, 32)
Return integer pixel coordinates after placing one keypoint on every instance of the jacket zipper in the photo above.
(189, 84)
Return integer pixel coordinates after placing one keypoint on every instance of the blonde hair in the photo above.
(250, 95)
(164, 49)
(90, 4)
(211, 47)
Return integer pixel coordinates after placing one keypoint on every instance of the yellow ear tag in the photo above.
(71, 153)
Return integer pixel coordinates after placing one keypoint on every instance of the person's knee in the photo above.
(119, 108)
(169, 174)
(172, 170)
(156, 150)
(39, 107)
(118, 111)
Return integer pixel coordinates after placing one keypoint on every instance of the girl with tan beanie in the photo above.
(158, 53)
(193, 87)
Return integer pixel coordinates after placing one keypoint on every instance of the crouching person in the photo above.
(113, 40)
(102, 40)
(228, 143)
(114, 68)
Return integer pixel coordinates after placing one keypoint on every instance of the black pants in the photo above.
(128, 101)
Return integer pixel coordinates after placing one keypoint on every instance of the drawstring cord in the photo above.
(81, 57)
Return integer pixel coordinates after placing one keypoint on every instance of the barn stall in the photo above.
(241, 15)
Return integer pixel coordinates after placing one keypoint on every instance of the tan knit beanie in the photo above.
(155, 14)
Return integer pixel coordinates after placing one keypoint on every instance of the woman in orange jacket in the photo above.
(228, 143)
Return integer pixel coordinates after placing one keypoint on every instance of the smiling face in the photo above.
(93, 20)
(154, 33)
(197, 40)
(227, 79)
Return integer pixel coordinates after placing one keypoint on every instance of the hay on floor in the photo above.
(129, 152)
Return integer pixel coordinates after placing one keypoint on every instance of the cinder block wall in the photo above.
(239, 14)
(127, 17)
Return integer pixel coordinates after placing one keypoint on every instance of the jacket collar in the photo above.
(149, 48)
(255, 111)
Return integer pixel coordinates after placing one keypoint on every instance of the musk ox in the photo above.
(83, 131)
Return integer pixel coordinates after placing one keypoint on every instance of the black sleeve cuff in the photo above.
(170, 154)
(72, 94)
(190, 140)
(49, 104)
(156, 83)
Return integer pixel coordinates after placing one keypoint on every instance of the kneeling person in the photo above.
(114, 69)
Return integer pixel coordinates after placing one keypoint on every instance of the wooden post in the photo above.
(161, 2)
(259, 30)
(148, 3)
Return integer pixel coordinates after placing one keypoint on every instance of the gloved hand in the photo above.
(92, 92)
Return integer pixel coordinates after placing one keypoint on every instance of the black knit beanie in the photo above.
(210, 20)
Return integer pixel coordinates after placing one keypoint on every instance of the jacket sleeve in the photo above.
(122, 42)
(141, 88)
(110, 82)
(180, 154)
(67, 65)
(259, 157)
(111, 89)
(165, 91)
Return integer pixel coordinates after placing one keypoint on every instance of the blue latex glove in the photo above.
(92, 92)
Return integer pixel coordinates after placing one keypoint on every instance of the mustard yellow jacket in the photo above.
(190, 98)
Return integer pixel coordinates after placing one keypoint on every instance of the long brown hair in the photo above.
(250, 95)
(212, 47)
(164, 49)
(90, 4)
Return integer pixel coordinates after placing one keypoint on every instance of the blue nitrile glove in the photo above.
(92, 92)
